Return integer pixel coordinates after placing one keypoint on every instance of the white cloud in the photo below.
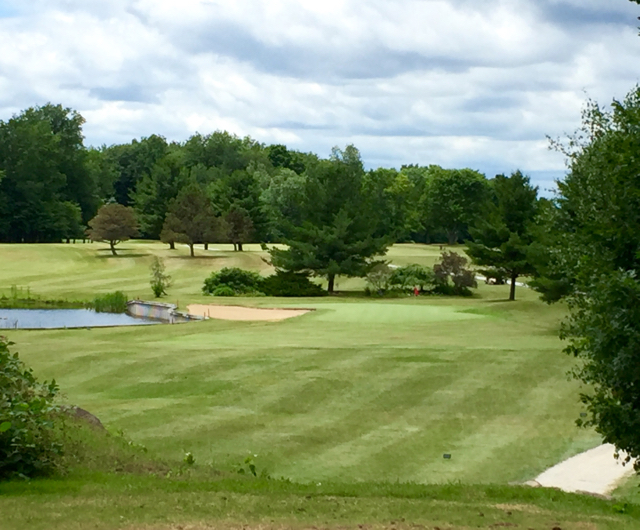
(456, 82)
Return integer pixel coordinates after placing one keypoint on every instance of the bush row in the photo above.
(448, 277)
(233, 281)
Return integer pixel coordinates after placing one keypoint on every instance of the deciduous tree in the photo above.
(113, 223)
(453, 199)
(599, 210)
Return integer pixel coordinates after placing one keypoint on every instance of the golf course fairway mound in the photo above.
(235, 312)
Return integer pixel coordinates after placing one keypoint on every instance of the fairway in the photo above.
(359, 389)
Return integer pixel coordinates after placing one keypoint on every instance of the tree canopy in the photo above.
(502, 237)
(45, 180)
(328, 220)
(597, 257)
(453, 199)
(113, 223)
(191, 219)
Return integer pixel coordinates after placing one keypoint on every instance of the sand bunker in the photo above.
(234, 312)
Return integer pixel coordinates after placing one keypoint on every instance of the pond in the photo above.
(66, 318)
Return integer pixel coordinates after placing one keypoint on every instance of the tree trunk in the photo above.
(235, 247)
(452, 236)
(206, 246)
(172, 246)
(512, 291)
(240, 247)
(332, 279)
(112, 244)
(191, 249)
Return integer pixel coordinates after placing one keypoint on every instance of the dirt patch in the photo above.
(234, 312)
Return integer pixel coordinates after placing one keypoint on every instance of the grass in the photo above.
(360, 389)
(102, 501)
(356, 393)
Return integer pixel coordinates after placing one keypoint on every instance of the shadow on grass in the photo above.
(197, 257)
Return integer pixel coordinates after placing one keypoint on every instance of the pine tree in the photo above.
(503, 237)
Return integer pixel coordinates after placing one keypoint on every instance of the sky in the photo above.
(458, 83)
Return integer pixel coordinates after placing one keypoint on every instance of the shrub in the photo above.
(238, 280)
(290, 284)
(410, 276)
(110, 303)
(160, 281)
(28, 445)
(452, 277)
(223, 290)
(378, 279)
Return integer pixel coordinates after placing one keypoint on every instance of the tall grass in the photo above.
(23, 298)
(110, 303)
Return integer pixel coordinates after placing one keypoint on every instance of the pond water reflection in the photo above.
(66, 318)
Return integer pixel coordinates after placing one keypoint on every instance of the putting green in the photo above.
(377, 313)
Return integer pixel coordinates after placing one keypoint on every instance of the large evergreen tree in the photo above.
(504, 234)
(157, 189)
(191, 219)
(328, 222)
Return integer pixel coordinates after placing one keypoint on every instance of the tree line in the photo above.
(332, 213)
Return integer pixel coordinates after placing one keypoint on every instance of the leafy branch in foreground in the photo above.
(28, 445)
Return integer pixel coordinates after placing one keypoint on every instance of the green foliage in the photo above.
(503, 238)
(156, 189)
(378, 278)
(113, 223)
(237, 280)
(28, 445)
(45, 183)
(330, 224)
(604, 334)
(132, 163)
(595, 258)
(395, 199)
(453, 200)
(287, 283)
(191, 219)
(189, 459)
(223, 290)
(115, 302)
(23, 298)
(160, 281)
(452, 277)
(239, 227)
(414, 275)
(248, 466)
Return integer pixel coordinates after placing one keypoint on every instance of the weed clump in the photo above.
(110, 303)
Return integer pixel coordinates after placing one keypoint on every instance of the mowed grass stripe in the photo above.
(478, 436)
(361, 388)
(398, 415)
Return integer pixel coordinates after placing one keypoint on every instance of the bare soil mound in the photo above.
(234, 312)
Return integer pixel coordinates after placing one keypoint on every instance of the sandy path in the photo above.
(594, 471)
(234, 312)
